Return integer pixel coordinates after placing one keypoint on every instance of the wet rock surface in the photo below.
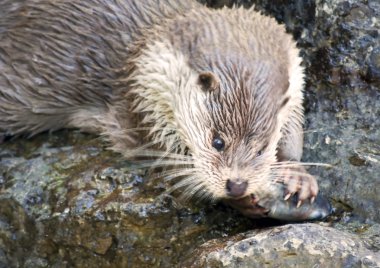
(343, 102)
(288, 246)
(66, 201)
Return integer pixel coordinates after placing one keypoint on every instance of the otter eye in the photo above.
(259, 153)
(218, 144)
(208, 81)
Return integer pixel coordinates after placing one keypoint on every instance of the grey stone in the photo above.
(295, 245)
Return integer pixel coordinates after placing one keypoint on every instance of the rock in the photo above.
(66, 201)
(99, 246)
(298, 245)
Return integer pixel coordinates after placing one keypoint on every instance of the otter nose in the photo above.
(236, 188)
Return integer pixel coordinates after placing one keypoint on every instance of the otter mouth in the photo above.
(249, 206)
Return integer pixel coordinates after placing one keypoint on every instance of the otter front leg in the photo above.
(295, 177)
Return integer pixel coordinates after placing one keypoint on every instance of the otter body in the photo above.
(215, 93)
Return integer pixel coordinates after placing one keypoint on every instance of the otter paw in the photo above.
(298, 182)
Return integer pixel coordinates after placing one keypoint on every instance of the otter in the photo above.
(214, 94)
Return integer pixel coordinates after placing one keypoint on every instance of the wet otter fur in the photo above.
(215, 94)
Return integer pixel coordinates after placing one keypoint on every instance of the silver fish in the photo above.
(281, 209)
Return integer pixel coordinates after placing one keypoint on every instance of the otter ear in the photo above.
(208, 81)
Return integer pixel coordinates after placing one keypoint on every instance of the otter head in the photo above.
(236, 129)
(223, 115)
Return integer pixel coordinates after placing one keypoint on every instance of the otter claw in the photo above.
(298, 182)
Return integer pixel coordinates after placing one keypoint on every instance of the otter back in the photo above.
(60, 61)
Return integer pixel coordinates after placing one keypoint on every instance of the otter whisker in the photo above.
(172, 174)
(260, 184)
(169, 152)
(203, 195)
(154, 164)
(167, 158)
(126, 130)
(188, 181)
(288, 170)
(295, 164)
(162, 175)
(168, 176)
(142, 151)
(146, 145)
(161, 154)
(279, 178)
(192, 191)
